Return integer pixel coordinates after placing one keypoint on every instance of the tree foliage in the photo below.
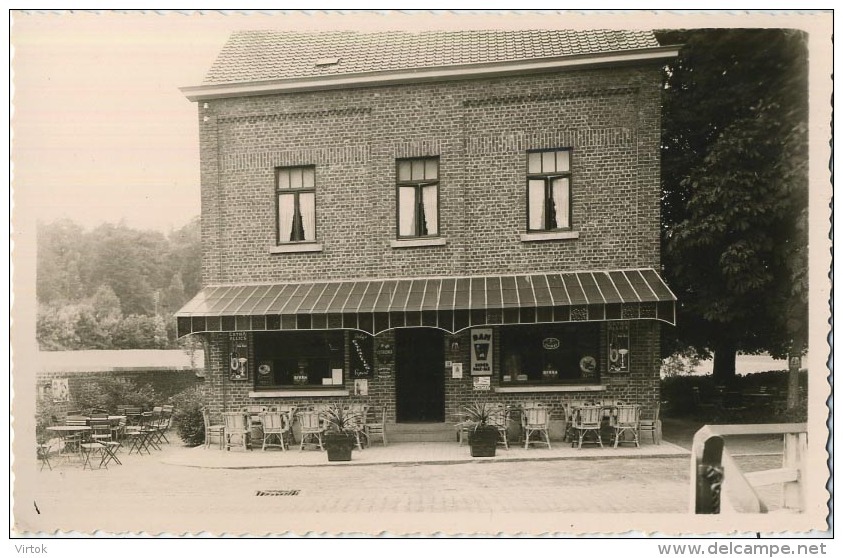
(113, 287)
(735, 191)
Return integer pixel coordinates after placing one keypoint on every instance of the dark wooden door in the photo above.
(419, 375)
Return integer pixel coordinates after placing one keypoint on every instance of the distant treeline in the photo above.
(113, 287)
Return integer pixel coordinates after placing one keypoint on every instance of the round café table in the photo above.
(66, 432)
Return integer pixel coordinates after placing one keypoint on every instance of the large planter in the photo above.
(483, 441)
(338, 446)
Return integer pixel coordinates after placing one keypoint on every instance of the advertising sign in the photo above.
(618, 345)
(238, 355)
(481, 352)
(483, 383)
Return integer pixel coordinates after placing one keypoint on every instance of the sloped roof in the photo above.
(253, 56)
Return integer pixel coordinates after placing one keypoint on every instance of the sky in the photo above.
(100, 130)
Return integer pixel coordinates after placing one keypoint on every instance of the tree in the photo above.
(735, 191)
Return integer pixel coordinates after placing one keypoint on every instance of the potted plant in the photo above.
(339, 433)
(482, 436)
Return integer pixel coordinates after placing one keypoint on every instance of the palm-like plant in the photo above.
(478, 414)
(339, 420)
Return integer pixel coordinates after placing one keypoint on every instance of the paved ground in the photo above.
(155, 494)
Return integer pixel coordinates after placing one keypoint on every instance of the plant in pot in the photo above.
(482, 436)
(339, 435)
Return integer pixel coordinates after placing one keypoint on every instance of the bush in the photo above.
(187, 416)
(108, 392)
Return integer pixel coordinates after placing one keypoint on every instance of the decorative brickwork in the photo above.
(480, 129)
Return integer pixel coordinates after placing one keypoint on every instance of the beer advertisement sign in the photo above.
(481, 352)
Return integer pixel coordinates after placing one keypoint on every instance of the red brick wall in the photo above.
(481, 130)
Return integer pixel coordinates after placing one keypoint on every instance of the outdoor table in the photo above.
(64, 433)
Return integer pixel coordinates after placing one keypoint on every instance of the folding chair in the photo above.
(101, 433)
(43, 454)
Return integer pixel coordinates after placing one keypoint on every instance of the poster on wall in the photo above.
(481, 352)
(483, 384)
(361, 355)
(618, 346)
(456, 370)
(265, 376)
(61, 392)
(238, 356)
(361, 386)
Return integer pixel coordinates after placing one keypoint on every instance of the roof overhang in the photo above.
(449, 303)
(440, 73)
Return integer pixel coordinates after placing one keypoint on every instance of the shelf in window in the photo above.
(416, 242)
(554, 388)
(549, 235)
(296, 247)
(315, 392)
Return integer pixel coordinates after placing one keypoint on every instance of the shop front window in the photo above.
(550, 354)
(299, 359)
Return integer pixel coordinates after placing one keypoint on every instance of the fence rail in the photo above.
(718, 485)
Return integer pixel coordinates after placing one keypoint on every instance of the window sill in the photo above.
(553, 235)
(416, 242)
(299, 393)
(296, 247)
(538, 389)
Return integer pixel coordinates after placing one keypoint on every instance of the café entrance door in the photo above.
(419, 375)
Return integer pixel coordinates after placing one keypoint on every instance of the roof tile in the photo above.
(251, 56)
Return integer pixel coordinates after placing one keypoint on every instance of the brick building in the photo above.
(414, 221)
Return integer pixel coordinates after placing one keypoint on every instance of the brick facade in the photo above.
(480, 129)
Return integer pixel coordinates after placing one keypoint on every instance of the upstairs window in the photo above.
(549, 190)
(418, 197)
(295, 188)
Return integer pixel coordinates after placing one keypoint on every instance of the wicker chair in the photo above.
(236, 426)
(625, 420)
(274, 425)
(375, 425)
(536, 420)
(651, 424)
(214, 433)
(587, 419)
(311, 429)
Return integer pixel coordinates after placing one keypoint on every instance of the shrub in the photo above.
(108, 392)
(187, 416)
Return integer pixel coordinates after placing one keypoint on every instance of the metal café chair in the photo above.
(101, 433)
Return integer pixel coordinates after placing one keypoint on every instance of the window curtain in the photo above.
(536, 204)
(431, 212)
(307, 206)
(561, 194)
(406, 211)
(285, 218)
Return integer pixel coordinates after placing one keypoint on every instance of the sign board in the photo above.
(265, 377)
(618, 346)
(456, 370)
(794, 362)
(238, 356)
(361, 355)
(361, 386)
(384, 372)
(482, 383)
(481, 352)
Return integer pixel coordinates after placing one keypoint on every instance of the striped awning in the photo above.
(448, 303)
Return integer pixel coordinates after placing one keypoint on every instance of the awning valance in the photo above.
(448, 303)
